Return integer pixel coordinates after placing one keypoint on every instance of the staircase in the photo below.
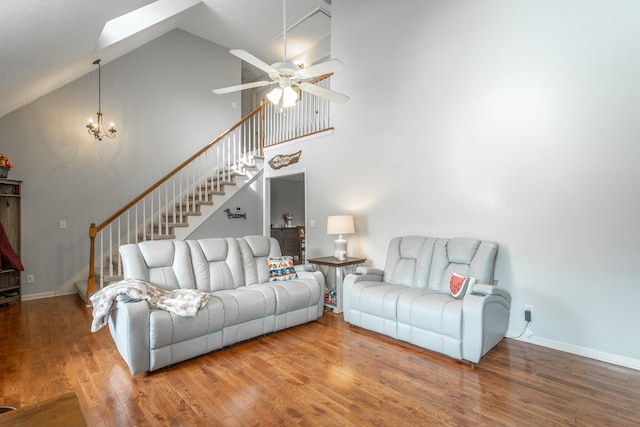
(178, 203)
(179, 221)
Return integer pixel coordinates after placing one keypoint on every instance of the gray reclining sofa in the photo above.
(243, 303)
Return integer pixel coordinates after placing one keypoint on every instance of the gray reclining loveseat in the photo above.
(411, 300)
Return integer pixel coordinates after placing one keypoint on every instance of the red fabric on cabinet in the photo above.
(10, 259)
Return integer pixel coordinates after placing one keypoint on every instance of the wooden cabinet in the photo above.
(10, 218)
(291, 242)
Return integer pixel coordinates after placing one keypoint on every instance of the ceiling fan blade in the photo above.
(324, 93)
(230, 89)
(247, 57)
(327, 67)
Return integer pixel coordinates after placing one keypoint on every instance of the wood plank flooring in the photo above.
(323, 373)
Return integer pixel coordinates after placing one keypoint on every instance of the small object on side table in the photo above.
(333, 296)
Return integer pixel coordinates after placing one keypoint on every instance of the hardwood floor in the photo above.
(323, 373)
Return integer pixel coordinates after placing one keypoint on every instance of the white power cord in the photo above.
(528, 332)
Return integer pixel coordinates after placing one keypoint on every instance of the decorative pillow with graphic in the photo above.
(281, 268)
(458, 285)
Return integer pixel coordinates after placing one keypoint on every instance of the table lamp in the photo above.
(340, 224)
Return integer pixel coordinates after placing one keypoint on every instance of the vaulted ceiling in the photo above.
(46, 44)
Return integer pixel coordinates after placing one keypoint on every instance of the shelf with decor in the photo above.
(10, 241)
(291, 241)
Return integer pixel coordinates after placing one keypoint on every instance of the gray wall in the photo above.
(164, 111)
(219, 224)
(509, 121)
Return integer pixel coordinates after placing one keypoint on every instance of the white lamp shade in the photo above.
(289, 97)
(274, 95)
(340, 224)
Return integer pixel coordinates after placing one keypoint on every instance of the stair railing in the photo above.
(310, 115)
(155, 212)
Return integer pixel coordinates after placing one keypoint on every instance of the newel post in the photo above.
(91, 280)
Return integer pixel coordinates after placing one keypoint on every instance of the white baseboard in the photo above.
(591, 353)
(38, 296)
(48, 295)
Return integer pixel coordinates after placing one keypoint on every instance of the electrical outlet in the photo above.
(63, 223)
(30, 278)
(528, 312)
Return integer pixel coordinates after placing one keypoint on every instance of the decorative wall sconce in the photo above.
(97, 128)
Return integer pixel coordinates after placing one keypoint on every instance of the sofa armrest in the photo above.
(315, 275)
(369, 270)
(485, 319)
(362, 274)
(486, 289)
(129, 327)
(304, 267)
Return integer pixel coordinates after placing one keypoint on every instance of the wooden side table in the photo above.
(338, 267)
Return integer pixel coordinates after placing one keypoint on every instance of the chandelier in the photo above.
(97, 128)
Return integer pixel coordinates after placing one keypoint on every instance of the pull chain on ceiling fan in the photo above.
(286, 75)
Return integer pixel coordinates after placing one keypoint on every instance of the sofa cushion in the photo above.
(462, 251)
(216, 264)
(292, 295)
(166, 328)
(433, 312)
(409, 261)
(377, 298)
(254, 251)
(246, 303)
(451, 256)
(281, 268)
(163, 263)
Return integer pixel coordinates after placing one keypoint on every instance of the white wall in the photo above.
(164, 111)
(219, 224)
(501, 120)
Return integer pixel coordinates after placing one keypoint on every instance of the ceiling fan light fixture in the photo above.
(289, 97)
(286, 74)
(274, 95)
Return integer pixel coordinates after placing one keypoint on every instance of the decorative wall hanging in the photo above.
(282, 160)
(236, 214)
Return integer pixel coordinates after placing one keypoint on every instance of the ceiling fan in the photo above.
(287, 76)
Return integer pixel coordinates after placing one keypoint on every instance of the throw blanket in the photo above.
(183, 302)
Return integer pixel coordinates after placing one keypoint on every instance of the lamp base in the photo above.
(340, 249)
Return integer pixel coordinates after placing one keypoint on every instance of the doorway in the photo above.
(285, 213)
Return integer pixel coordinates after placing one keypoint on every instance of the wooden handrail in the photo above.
(175, 171)
(320, 78)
